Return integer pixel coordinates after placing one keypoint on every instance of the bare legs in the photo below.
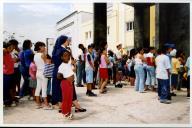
(103, 84)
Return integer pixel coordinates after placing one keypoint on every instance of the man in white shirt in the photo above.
(162, 74)
(89, 68)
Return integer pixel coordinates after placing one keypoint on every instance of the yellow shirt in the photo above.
(175, 65)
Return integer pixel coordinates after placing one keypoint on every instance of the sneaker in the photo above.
(91, 94)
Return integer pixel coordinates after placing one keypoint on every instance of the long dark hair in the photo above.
(132, 53)
(27, 44)
(139, 50)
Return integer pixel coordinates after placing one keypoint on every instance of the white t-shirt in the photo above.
(162, 63)
(66, 70)
(39, 62)
(149, 55)
(118, 54)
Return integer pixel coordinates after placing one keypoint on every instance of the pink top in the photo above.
(103, 62)
(8, 64)
(32, 70)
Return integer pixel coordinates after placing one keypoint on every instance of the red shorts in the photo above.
(103, 72)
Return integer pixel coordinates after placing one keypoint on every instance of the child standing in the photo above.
(39, 60)
(89, 68)
(32, 73)
(66, 74)
(103, 71)
(48, 73)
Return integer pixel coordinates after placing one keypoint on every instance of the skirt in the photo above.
(103, 72)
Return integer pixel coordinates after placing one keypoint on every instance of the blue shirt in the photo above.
(27, 54)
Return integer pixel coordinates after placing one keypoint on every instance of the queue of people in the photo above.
(50, 81)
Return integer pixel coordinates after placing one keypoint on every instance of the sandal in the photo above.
(103, 92)
(80, 110)
(68, 116)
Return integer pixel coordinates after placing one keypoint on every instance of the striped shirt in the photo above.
(48, 70)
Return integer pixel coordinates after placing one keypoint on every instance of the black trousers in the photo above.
(74, 93)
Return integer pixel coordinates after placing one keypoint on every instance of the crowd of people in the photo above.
(50, 80)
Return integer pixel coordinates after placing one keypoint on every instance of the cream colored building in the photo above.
(79, 26)
(120, 22)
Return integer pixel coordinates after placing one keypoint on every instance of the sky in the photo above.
(35, 21)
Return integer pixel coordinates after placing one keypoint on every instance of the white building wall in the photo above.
(70, 31)
(117, 17)
(112, 37)
(82, 22)
(87, 28)
(129, 35)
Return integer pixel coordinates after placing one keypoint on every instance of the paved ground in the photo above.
(120, 105)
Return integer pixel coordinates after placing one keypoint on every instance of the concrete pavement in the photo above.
(119, 105)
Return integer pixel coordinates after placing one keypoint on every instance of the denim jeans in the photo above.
(140, 76)
(150, 76)
(79, 73)
(163, 89)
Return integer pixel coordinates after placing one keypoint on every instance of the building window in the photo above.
(90, 34)
(108, 30)
(86, 35)
(130, 26)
